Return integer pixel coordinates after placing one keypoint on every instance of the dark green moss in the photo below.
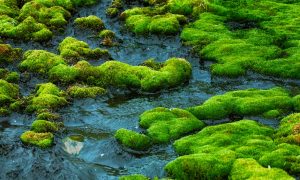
(133, 140)
(85, 91)
(91, 22)
(289, 129)
(9, 54)
(9, 93)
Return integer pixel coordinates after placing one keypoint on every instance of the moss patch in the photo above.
(42, 140)
(85, 91)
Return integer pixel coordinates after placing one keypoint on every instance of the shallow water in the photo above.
(97, 155)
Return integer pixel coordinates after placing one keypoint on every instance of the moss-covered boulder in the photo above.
(40, 61)
(133, 140)
(74, 50)
(85, 91)
(9, 54)
(41, 126)
(64, 74)
(251, 169)
(91, 22)
(47, 97)
(164, 124)
(243, 103)
(42, 140)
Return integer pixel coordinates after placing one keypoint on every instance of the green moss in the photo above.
(9, 93)
(272, 114)
(91, 22)
(289, 129)
(134, 177)
(187, 7)
(151, 63)
(49, 116)
(4, 112)
(8, 7)
(164, 124)
(40, 61)
(47, 97)
(133, 140)
(250, 169)
(42, 126)
(74, 50)
(9, 54)
(107, 34)
(243, 102)
(11, 77)
(63, 73)
(112, 12)
(42, 140)
(202, 166)
(85, 91)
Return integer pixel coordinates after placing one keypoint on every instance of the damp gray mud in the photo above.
(92, 122)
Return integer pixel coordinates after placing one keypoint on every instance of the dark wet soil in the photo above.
(92, 122)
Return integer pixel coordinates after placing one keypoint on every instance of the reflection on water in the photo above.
(72, 146)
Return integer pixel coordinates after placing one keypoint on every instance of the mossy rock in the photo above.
(133, 140)
(40, 61)
(42, 140)
(85, 91)
(75, 50)
(42, 126)
(251, 169)
(91, 22)
(243, 103)
(289, 129)
(164, 124)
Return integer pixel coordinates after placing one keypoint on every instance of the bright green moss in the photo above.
(112, 12)
(91, 22)
(63, 73)
(47, 96)
(250, 169)
(42, 140)
(289, 129)
(49, 116)
(74, 50)
(8, 93)
(51, 16)
(243, 102)
(138, 23)
(187, 7)
(42, 126)
(151, 63)
(164, 124)
(201, 166)
(134, 177)
(9, 7)
(85, 91)
(133, 140)
(40, 61)
(9, 54)
(272, 114)
(107, 34)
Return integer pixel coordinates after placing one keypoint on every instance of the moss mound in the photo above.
(9, 54)
(250, 169)
(164, 124)
(9, 94)
(244, 102)
(85, 91)
(42, 140)
(40, 126)
(133, 140)
(90, 22)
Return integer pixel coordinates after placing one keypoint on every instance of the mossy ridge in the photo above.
(90, 22)
(251, 169)
(174, 72)
(133, 140)
(85, 91)
(165, 124)
(244, 103)
(74, 50)
(9, 94)
(48, 97)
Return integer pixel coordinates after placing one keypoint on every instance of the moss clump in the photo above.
(133, 140)
(9, 54)
(160, 24)
(11, 77)
(134, 177)
(63, 73)
(85, 91)
(9, 93)
(112, 12)
(107, 37)
(164, 124)
(47, 97)
(49, 116)
(272, 114)
(244, 102)
(40, 61)
(250, 169)
(41, 126)
(42, 140)
(90, 22)
(74, 50)
(289, 129)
